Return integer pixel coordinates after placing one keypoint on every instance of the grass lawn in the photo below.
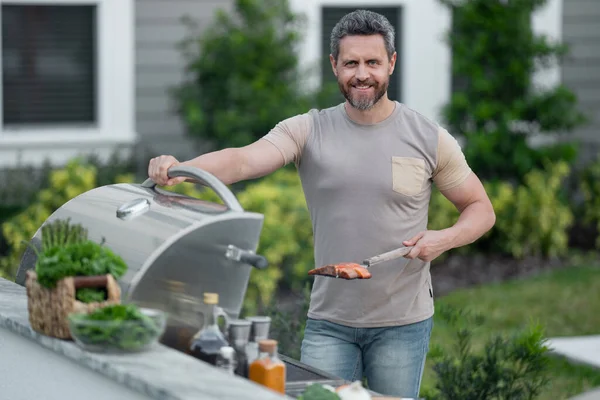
(565, 302)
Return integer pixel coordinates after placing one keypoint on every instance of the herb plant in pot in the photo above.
(72, 274)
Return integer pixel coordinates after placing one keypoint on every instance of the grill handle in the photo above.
(205, 178)
(246, 256)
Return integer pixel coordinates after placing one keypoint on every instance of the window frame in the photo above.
(115, 114)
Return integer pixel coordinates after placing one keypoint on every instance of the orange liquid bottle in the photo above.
(268, 370)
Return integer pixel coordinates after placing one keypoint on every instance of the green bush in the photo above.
(6, 213)
(243, 74)
(589, 182)
(116, 169)
(75, 178)
(288, 326)
(495, 103)
(21, 183)
(537, 220)
(512, 367)
(532, 219)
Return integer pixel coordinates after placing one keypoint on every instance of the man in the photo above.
(366, 166)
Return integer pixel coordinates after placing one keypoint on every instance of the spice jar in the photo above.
(268, 370)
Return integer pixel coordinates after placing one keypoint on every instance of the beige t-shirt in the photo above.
(367, 189)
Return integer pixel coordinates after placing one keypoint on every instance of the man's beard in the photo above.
(364, 102)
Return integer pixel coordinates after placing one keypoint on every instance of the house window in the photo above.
(49, 71)
(330, 17)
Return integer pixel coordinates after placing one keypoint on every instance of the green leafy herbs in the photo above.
(87, 258)
(317, 391)
(66, 251)
(61, 232)
(91, 295)
(118, 326)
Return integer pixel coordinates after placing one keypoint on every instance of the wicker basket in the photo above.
(49, 308)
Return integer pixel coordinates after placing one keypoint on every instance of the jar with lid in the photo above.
(268, 370)
(259, 331)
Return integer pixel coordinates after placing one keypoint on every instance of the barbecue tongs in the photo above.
(390, 255)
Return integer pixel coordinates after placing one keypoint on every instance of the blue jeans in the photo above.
(391, 358)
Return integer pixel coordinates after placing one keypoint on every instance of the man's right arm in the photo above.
(232, 165)
(283, 144)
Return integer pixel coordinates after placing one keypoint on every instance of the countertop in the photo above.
(159, 373)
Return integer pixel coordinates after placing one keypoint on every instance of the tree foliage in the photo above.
(243, 73)
(496, 103)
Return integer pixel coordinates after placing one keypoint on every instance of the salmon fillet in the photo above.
(342, 270)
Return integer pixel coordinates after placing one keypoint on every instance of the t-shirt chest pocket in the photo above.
(408, 175)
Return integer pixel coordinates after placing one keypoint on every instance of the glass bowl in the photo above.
(118, 336)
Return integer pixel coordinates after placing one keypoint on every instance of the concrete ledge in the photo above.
(159, 373)
(590, 395)
(579, 349)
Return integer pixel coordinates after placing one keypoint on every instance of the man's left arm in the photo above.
(463, 188)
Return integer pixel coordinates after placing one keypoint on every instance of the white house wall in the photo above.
(581, 70)
(425, 59)
(159, 66)
(548, 22)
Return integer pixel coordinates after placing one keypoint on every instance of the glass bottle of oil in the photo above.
(268, 370)
(206, 344)
(183, 315)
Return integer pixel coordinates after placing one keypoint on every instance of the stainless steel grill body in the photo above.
(166, 237)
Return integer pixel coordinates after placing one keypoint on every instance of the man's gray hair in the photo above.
(363, 22)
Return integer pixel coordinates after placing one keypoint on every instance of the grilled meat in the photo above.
(342, 270)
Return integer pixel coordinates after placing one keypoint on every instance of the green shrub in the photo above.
(288, 326)
(5, 275)
(66, 183)
(21, 183)
(532, 219)
(537, 220)
(512, 367)
(116, 169)
(495, 104)
(243, 74)
(6, 213)
(589, 182)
